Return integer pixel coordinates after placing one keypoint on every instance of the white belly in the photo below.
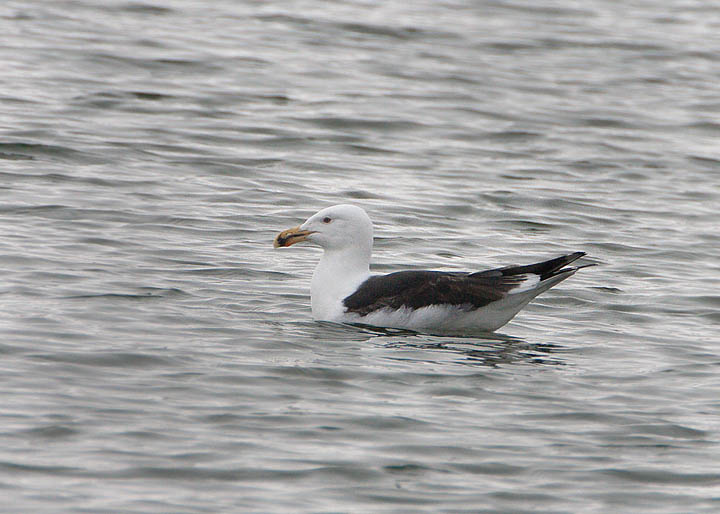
(445, 317)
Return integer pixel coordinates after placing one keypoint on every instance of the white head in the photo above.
(345, 233)
(336, 228)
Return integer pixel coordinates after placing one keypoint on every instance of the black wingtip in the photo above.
(556, 266)
(545, 269)
(562, 269)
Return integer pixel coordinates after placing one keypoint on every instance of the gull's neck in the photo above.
(337, 275)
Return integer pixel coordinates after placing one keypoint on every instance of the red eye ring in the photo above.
(327, 219)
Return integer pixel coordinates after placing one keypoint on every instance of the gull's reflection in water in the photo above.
(471, 348)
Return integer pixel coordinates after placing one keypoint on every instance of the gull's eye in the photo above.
(327, 219)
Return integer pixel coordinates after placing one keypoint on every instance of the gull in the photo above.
(343, 290)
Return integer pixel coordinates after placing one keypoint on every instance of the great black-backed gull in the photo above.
(343, 290)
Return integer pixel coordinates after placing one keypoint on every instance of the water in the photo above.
(158, 355)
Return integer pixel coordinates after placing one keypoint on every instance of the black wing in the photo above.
(416, 289)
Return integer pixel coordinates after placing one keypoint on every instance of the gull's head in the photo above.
(334, 228)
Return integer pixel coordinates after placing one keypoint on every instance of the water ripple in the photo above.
(157, 355)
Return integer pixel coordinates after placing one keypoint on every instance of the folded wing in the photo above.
(417, 289)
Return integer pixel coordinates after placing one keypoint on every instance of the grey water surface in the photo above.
(157, 355)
